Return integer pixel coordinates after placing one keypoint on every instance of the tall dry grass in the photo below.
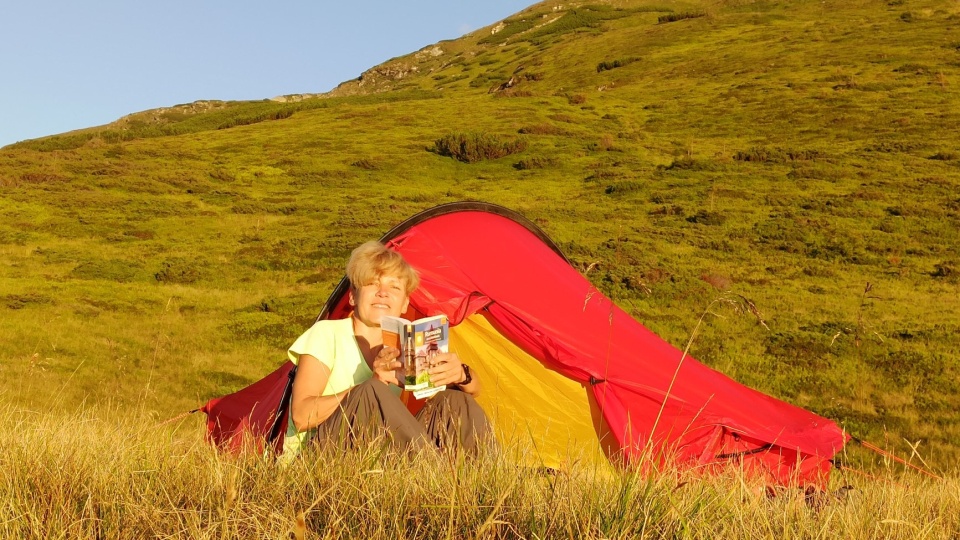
(101, 474)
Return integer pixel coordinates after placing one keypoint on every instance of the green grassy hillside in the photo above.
(802, 154)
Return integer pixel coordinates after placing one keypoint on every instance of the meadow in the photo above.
(803, 155)
(85, 475)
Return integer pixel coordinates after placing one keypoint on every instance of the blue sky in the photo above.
(67, 65)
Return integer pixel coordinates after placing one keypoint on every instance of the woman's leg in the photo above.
(370, 410)
(453, 419)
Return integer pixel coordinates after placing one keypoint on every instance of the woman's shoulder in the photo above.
(333, 327)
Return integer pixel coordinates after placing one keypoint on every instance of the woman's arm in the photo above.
(448, 369)
(307, 406)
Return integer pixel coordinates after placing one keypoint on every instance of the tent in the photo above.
(565, 371)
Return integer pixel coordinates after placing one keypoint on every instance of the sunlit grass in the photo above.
(98, 473)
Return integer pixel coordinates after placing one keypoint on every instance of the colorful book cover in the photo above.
(419, 341)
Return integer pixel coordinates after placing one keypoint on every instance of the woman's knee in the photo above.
(455, 398)
(372, 387)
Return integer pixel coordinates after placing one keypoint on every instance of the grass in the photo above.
(791, 153)
(103, 473)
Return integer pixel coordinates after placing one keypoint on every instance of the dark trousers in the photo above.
(449, 420)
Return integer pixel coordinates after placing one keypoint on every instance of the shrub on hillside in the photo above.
(480, 81)
(687, 163)
(805, 349)
(890, 147)
(614, 64)
(15, 237)
(542, 129)
(511, 28)
(178, 271)
(514, 92)
(605, 142)
(589, 16)
(366, 164)
(20, 301)
(263, 327)
(535, 162)
(918, 69)
(949, 270)
(256, 117)
(673, 17)
(764, 154)
(563, 118)
(473, 147)
(625, 186)
(705, 217)
(110, 270)
(717, 280)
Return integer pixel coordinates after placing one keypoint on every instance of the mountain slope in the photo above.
(801, 154)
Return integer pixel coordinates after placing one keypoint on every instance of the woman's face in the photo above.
(385, 295)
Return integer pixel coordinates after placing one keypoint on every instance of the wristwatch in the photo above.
(467, 377)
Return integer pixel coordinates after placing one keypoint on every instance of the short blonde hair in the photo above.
(372, 260)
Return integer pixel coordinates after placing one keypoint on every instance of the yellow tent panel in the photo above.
(530, 406)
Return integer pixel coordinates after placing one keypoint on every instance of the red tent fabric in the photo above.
(484, 257)
(476, 256)
(254, 416)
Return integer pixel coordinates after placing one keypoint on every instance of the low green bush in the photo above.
(706, 217)
(110, 270)
(479, 81)
(20, 301)
(473, 147)
(688, 163)
(777, 155)
(948, 270)
(918, 69)
(583, 17)
(673, 17)
(614, 64)
(181, 271)
(511, 28)
(366, 164)
(542, 129)
(626, 186)
(535, 162)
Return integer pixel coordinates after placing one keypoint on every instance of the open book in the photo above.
(419, 342)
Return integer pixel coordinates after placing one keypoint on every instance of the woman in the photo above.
(346, 385)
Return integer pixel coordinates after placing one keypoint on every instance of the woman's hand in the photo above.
(446, 369)
(385, 365)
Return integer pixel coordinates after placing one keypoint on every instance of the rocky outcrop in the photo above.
(428, 52)
(164, 115)
(295, 98)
